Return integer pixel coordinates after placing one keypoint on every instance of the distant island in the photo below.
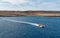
(30, 13)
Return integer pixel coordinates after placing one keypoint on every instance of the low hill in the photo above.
(29, 13)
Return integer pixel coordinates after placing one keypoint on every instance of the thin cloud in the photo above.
(49, 4)
(15, 1)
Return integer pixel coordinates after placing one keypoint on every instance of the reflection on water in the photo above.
(10, 29)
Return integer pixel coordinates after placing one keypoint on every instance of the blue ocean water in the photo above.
(10, 29)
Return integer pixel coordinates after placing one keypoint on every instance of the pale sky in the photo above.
(29, 5)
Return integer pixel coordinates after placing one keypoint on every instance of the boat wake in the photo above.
(20, 21)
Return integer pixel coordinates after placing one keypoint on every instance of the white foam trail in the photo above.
(20, 21)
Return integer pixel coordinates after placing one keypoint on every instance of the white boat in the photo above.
(41, 25)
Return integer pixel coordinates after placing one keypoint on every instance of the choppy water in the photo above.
(11, 28)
